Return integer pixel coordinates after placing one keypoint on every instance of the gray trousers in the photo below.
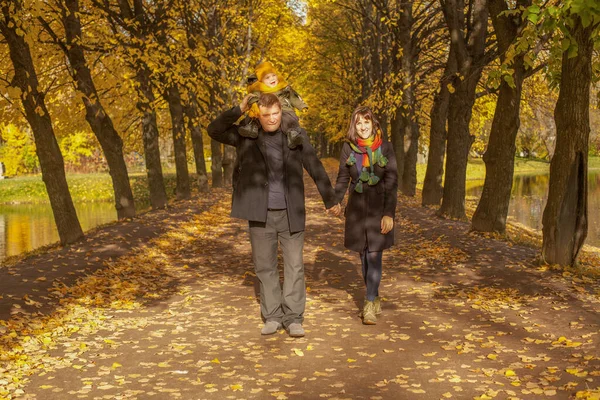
(276, 304)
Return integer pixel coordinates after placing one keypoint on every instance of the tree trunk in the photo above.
(565, 219)
(228, 163)
(408, 179)
(491, 212)
(156, 184)
(173, 97)
(499, 157)
(47, 150)
(469, 51)
(322, 145)
(397, 138)
(459, 143)
(411, 150)
(98, 119)
(197, 145)
(216, 167)
(432, 186)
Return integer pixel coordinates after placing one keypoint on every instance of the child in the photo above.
(267, 81)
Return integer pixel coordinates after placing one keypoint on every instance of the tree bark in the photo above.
(565, 219)
(191, 113)
(96, 116)
(135, 21)
(227, 164)
(408, 179)
(216, 167)
(47, 150)
(458, 145)
(156, 184)
(469, 51)
(432, 186)
(173, 97)
(492, 210)
(397, 138)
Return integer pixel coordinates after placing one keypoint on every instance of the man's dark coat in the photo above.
(250, 176)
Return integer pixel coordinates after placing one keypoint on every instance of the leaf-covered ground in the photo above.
(166, 307)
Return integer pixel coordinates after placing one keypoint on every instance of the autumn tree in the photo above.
(132, 27)
(433, 189)
(468, 24)
(499, 157)
(565, 219)
(13, 26)
(72, 44)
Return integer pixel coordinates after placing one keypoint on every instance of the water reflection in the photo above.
(528, 200)
(27, 227)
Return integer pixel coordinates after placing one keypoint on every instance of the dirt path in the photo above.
(166, 306)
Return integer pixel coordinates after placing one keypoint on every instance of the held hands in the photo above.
(335, 210)
(387, 223)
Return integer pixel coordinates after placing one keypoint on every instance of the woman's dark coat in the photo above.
(365, 210)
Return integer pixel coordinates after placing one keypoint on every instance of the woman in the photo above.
(368, 164)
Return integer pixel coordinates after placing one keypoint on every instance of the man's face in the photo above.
(270, 117)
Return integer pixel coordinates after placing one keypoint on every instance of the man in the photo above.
(268, 191)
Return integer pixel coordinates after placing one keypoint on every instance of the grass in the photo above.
(96, 187)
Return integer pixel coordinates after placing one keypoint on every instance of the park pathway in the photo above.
(166, 307)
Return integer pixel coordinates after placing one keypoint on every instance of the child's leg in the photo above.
(291, 127)
(289, 121)
(248, 127)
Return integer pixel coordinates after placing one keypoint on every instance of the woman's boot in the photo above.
(368, 313)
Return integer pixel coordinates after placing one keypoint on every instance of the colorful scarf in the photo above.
(371, 154)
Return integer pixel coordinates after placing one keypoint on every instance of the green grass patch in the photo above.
(83, 187)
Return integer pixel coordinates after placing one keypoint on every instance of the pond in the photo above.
(25, 227)
(528, 199)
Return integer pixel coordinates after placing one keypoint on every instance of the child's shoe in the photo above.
(294, 138)
(250, 130)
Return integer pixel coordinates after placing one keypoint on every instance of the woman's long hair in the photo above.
(366, 113)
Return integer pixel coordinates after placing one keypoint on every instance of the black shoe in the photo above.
(294, 139)
(249, 130)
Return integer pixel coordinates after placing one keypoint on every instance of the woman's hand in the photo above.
(387, 223)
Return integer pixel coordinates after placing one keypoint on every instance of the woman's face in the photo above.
(364, 127)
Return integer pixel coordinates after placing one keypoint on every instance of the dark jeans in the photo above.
(371, 270)
(279, 304)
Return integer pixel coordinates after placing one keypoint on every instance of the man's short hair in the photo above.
(268, 100)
